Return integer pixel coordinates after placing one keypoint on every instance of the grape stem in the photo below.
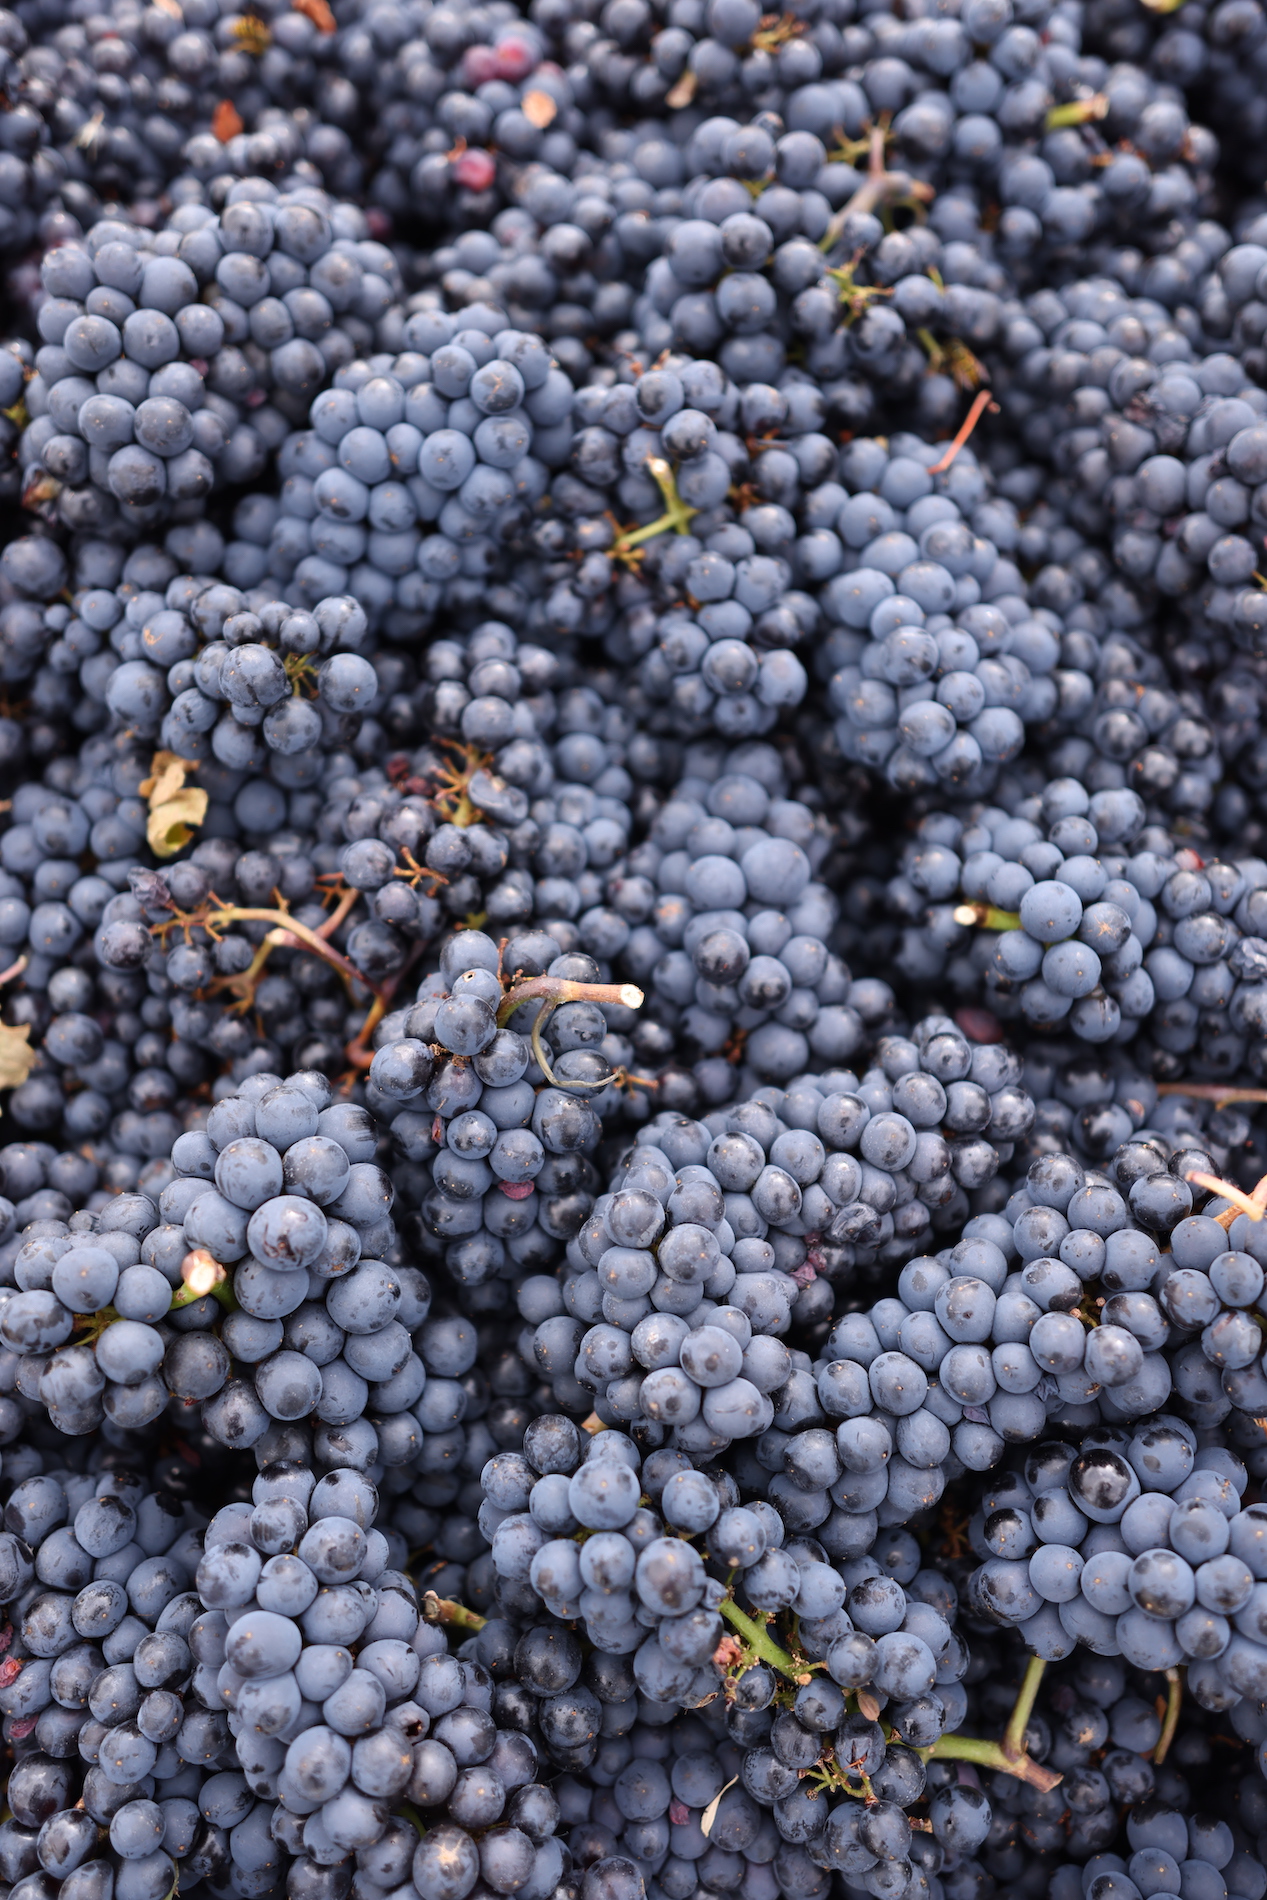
(1216, 1092)
(201, 1274)
(358, 1051)
(676, 519)
(562, 989)
(1079, 111)
(1000, 1756)
(1023, 1708)
(454, 1615)
(987, 914)
(881, 187)
(991, 1755)
(982, 401)
(1174, 1701)
(759, 1639)
(1254, 1205)
(287, 933)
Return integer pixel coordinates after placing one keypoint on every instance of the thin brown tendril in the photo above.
(981, 402)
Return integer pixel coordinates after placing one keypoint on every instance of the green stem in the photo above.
(1023, 1708)
(1077, 112)
(677, 516)
(191, 1292)
(990, 1755)
(949, 1747)
(987, 914)
(453, 1615)
(759, 1639)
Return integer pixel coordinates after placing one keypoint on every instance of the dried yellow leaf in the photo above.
(251, 34)
(682, 92)
(17, 1058)
(168, 772)
(539, 108)
(171, 824)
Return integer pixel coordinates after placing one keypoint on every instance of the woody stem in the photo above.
(282, 920)
(560, 989)
(358, 1049)
(1174, 1700)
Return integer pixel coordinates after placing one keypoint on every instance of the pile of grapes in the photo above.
(633, 950)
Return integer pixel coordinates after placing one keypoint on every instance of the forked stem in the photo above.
(217, 916)
(991, 1755)
(1254, 1205)
(759, 1639)
(1007, 1757)
(676, 519)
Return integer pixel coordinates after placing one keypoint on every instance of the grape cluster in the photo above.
(418, 468)
(642, 1589)
(160, 350)
(731, 923)
(1157, 430)
(511, 812)
(959, 663)
(1070, 938)
(123, 1770)
(120, 109)
(1214, 58)
(1131, 1536)
(1169, 1846)
(666, 448)
(1094, 1720)
(753, 1204)
(344, 1702)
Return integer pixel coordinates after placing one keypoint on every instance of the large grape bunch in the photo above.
(762, 1207)
(160, 349)
(506, 1119)
(344, 1703)
(420, 468)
